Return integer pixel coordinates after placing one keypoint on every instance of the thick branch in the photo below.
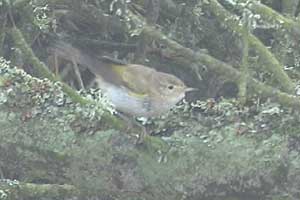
(269, 15)
(45, 140)
(14, 190)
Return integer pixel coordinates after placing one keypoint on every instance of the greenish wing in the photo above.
(137, 79)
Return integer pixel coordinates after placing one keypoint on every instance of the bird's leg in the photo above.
(77, 73)
(131, 122)
(56, 64)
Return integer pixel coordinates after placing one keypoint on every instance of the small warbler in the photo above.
(133, 89)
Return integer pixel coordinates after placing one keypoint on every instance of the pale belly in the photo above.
(128, 104)
(134, 105)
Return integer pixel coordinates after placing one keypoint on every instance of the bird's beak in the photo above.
(189, 89)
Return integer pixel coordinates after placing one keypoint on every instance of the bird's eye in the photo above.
(170, 87)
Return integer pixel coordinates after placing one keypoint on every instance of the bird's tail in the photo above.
(68, 52)
(98, 66)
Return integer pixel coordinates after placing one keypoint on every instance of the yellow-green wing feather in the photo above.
(135, 77)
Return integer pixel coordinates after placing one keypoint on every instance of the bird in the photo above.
(134, 89)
